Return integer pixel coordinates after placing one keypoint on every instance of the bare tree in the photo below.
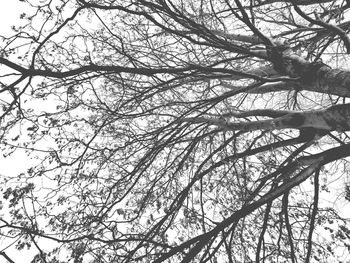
(178, 131)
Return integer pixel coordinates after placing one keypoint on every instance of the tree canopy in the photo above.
(177, 131)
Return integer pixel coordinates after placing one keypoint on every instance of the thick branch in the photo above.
(2, 253)
(337, 30)
(321, 159)
(239, 37)
(263, 112)
(317, 77)
(298, 2)
(333, 118)
(203, 239)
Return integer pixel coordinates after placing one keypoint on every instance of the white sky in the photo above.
(9, 15)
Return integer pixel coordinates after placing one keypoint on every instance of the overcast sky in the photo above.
(9, 15)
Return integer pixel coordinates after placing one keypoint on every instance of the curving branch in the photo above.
(334, 118)
(337, 30)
